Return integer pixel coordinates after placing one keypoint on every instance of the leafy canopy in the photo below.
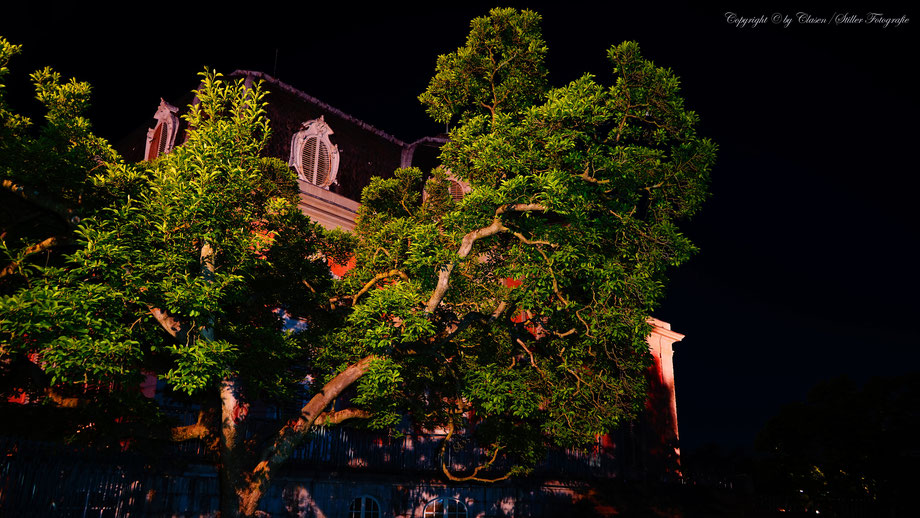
(518, 312)
(528, 299)
(139, 259)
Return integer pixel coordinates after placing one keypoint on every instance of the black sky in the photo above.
(807, 263)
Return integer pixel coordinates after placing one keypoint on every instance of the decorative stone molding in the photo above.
(326, 207)
(313, 155)
(162, 137)
(661, 343)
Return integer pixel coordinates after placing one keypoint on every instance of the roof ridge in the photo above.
(332, 109)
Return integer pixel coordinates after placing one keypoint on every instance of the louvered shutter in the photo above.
(316, 161)
(161, 134)
(156, 144)
(456, 190)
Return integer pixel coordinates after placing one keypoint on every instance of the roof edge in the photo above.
(331, 109)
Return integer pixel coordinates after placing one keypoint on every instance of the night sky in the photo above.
(807, 263)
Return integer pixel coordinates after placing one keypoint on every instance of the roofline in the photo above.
(331, 109)
(664, 328)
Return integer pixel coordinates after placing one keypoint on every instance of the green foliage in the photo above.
(55, 157)
(500, 68)
(576, 194)
(381, 389)
(209, 236)
(12, 124)
(525, 304)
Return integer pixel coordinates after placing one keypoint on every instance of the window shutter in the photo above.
(313, 155)
(308, 159)
(161, 147)
(323, 163)
(156, 144)
(161, 137)
(456, 190)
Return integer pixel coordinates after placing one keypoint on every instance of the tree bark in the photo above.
(251, 487)
(39, 247)
(230, 470)
(466, 246)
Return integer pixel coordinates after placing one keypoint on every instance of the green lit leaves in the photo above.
(52, 159)
(496, 389)
(228, 109)
(612, 169)
(388, 317)
(200, 364)
(380, 391)
(137, 292)
(81, 331)
(499, 69)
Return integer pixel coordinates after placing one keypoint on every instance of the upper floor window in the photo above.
(364, 507)
(313, 155)
(445, 508)
(456, 188)
(162, 137)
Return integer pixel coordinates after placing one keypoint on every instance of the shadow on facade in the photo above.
(44, 479)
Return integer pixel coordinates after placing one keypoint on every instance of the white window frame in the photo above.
(444, 509)
(319, 131)
(168, 126)
(363, 511)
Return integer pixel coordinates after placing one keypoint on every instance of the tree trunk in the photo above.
(231, 468)
(242, 489)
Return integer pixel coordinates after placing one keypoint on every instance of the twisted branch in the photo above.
(466, 246)
(377, 278)
(474, 476)
(38, 247)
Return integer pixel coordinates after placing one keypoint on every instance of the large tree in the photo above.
(526, 301)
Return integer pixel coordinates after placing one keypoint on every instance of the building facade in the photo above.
(345, 472)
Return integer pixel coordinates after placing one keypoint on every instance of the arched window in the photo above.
(456, 187)
(364, 507)
(162, 137)
(445, 508)
(456, 190)
(313, 155)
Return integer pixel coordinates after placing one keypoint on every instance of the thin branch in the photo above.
(521, 207)
(377, 278)
(198, 430)
(474, 476)
(175, 328)
(553, 275)
(498, 311)
(588, 178)
(580, 381)
(587, 327)
(565, 334)
(533, 361)
(380, 249)
(532, 241)
(466, 246)
(38, 247)
(207, 273)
